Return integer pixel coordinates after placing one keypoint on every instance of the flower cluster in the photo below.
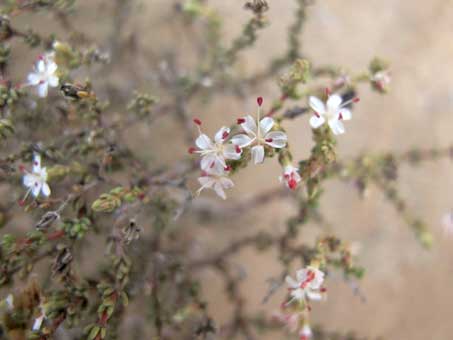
(258, 135)
(44, 74)
(307, 286)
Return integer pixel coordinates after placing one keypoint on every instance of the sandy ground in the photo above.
(407, 288)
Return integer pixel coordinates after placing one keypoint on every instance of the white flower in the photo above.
(39, 320)
(290, 177)
(44, 75)
(307, 285)
(215, 179)
(258, 134)
(447, 223)
(333, 112)
(9, 301)
(305, 333)
(36, 180)
(214, 153)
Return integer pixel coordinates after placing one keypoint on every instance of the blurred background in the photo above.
(405, 293)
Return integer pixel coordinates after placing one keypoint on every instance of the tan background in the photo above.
(408, 290)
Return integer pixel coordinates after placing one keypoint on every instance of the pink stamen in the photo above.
(225, 135)
(192, 150)
(269, 140)
(328, 91)
(227, 168)
(356, 100)
(238, 149)
(340, 117)
(197, 121)
(317, 114)
(241, 120)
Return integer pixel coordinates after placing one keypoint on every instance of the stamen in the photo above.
(241, 120)
(192, 150)
(238, 149)
(269, 140)
(197, 121)
(212, 165)
(340, 116)
(21, 168)
(317, 114)
(356, 100)
(227, 168)
(259, 100)
(323, 290)
(225, 135)
(328, 92)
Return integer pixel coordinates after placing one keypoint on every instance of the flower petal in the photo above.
(345, 114)
(249, 125)
(29, 180)
(37, 323)
(33, 79)
(278, 138)
(208, 162)
(36, 163)
(45, 190)
(43, 89)
(334, 102)
(316, 122)
(41, 66)
(336, 126)
(203, 142)
(219, 190)
(291, 282)
(53, 81)
(230, 152)
(51, 67)
(226, 182)
(258, 154)
(266, 125)
(317, 105)
(242, 140)
(222, 134)
(36, 189)
(313, 295)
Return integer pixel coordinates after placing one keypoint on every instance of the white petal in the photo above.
(226, 182)
(51, 67)
(208, 162)
(258, 154)
(278, 138)
(33, 79)
(43, 89)
(29, 180)
(249, 126)
(219, 135)
(206, 182)
(219, 191)
(334, 102)
(336, 126)
(36, 189)
(36, 163)
(242, 140)
(314, 296)
(316, 122)
(38, 322)
(230, 152)
(203, 142)
(345, 113)
(53, 81)
(41, 66)
(45, 190)
(317, 105)
(266, 125)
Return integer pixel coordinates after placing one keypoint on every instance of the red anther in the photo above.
(41, 82)
(323, 289)
(269, 140)
(212, 165)
(21, 203)
(21, 168)
(197, 121)
(225, 135)
(241, 120)
(356, 100)
(304, 337)
(192, 150)
(40, 57)
(317, 114)
(238, 149)
(227, 168)
(328, 92)
(204, 173)
(259, 100)
(141, 196)
(340, 116)
(292, 184)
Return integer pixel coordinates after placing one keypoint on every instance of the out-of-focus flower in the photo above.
(36, 181)
(447, 223)
(333, 112)
(258, 134)
(381, 80)
(307, 285)
(290, 319)
(215, 179)
(305, 333)
(214, 153)
(44, 74)
(39, 320)
(290, 177)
